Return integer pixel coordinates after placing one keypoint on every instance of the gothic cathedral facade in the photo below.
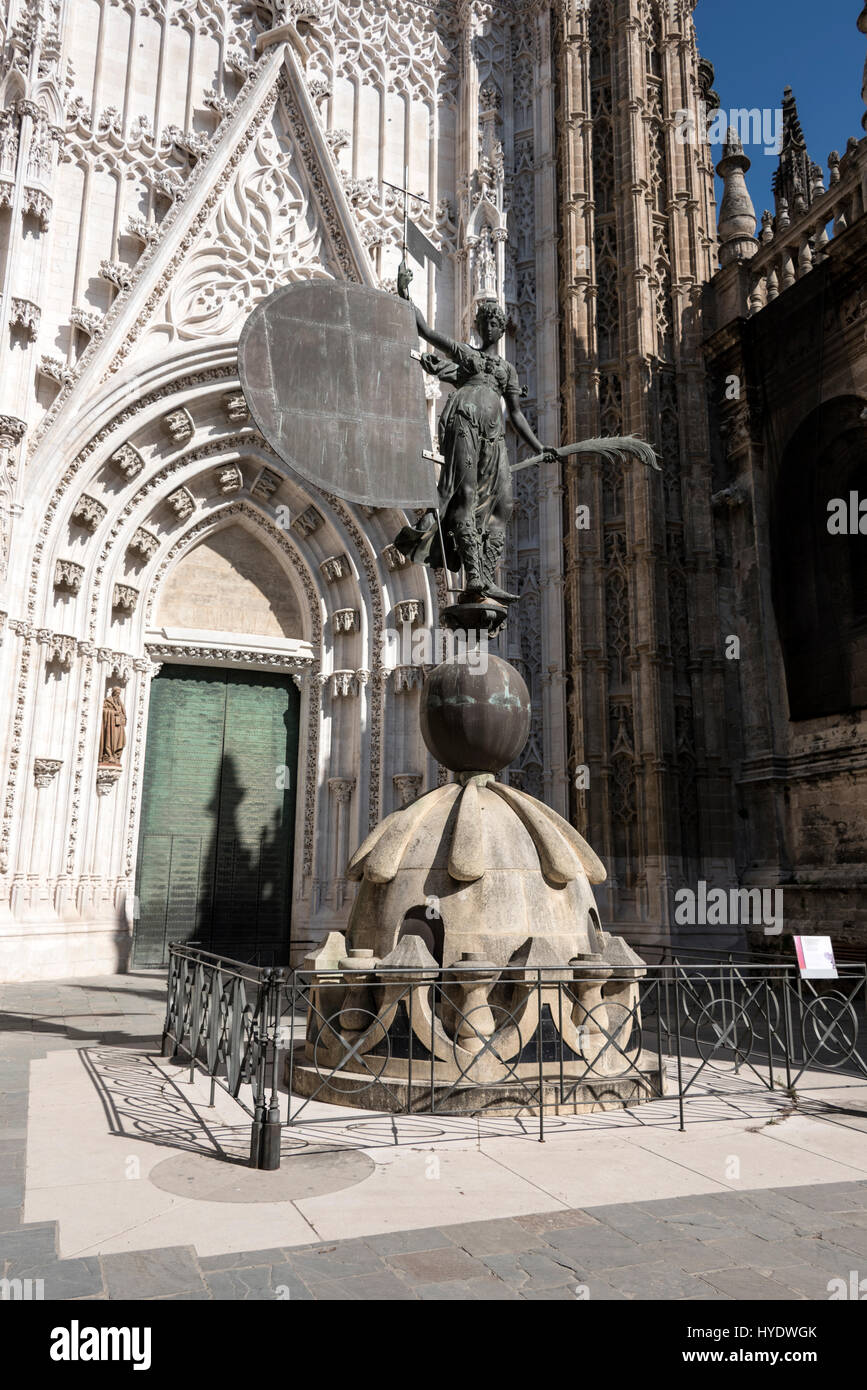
(205, 712)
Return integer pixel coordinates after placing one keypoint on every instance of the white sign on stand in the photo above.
(815, 958)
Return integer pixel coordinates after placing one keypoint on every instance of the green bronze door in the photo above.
(218, 806)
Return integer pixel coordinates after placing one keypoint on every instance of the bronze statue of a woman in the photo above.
(475, 483)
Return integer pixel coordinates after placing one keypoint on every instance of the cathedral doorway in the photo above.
(217, 821)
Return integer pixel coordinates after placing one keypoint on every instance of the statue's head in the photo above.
(490, 321)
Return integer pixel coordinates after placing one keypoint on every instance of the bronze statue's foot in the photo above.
(494, 591)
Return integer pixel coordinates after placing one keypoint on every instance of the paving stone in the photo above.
(812, 1283)
(30, 1243)
(380, 1288)
(453, 1291)
(286, 1284)
(490, 1237)
(333, 1291)
(598, 1248)
(630, 1220)
(831, 1196)
(747, 1284)
(242, 1259)
(703, 1225)
(787, 1208)
(566, 1295)
(654, 1281)
(556, 1220)
(811, 1251)
(747, 1249)
(342, 1260)
(530, 1269)
(694, 1256)
(10, 1220)
(847, 1237)
(76, 1278)
(244, 1285)
(151, 1273)
(492, 1291)
(407, 1242)
(436, 1266)
(665, 1207)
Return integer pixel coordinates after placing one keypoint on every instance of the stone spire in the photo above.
(737, 216)
(793, 179)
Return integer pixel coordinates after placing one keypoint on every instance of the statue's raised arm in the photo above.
(475, 485)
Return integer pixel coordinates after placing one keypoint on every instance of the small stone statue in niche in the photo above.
(113, 739)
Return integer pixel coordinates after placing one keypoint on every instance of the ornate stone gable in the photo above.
(265, 231)
(266, 203)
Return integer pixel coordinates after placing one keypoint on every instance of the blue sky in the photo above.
(760, 46)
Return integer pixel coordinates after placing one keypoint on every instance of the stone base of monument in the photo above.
(474, 969)
(397, 1096)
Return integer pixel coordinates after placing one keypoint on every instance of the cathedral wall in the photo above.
(790, 439)
(166, 171)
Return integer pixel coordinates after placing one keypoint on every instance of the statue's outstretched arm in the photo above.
(521, 424)
(437, 340)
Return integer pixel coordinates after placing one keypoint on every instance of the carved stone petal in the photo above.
(535, 814)
(379, 857)
(467, 851)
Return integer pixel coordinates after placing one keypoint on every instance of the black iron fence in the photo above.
(476, 1038)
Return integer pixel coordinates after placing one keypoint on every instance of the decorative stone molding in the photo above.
(394, 558)
(179, 425)
(348, 683)
(218, 103)
(145, 232)
(236, 408)
(55, 369)
(234, 656)
(409, 611)
(88, 321)
(408, 678)
(341, 789)
(730, 497)
(119, 664)
(116, 273)
(23, 313)
(740, 429)
(68, 575)
(12, 431)
(59, 646)
(345, 620)
(35, 202)
(265, 484)
(106, 777)
(335, 568)
(124, 597)
(407, 786)
(45, 770)
(308, 521)
(88, 512)
(144, 543)
(182, 502)
(229, 478)
(128, 461)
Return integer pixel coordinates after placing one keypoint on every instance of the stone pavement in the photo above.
(710, 1238)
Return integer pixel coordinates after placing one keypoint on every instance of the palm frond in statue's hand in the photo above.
(615, 448)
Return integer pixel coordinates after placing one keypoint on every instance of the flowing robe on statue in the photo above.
(472, 440)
